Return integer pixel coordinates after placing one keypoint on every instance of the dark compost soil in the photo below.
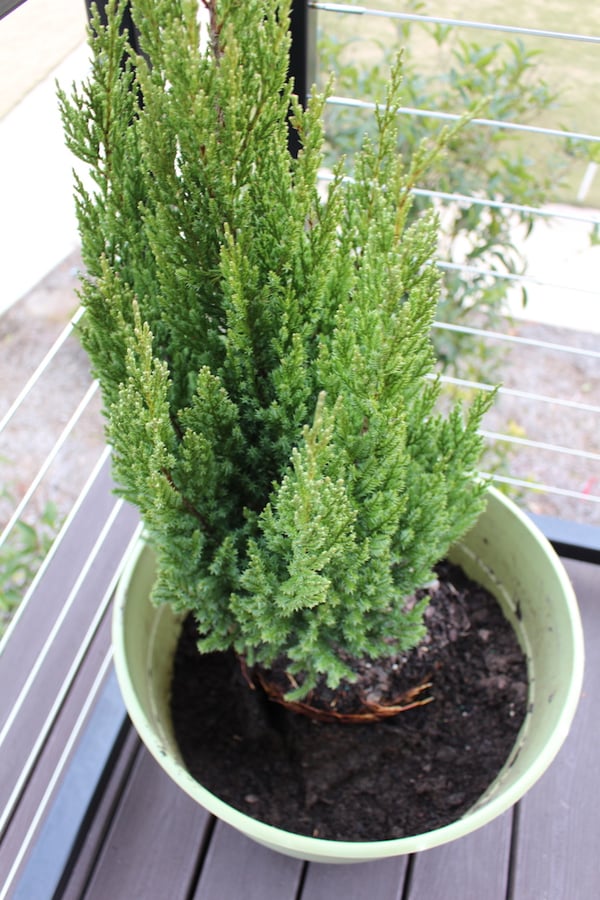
(404, 775)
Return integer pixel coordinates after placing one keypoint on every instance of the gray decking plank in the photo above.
(472, 868)
(239, 869)
(152, 847)
(96, 827)
(39, 790)
(40, 714)
(64, 816)
(37, 617)
(382, 880)
(559, 825)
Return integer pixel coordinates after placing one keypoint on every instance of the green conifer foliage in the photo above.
(264, 351)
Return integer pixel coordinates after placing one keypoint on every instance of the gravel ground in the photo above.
(29, 328)
(572, 422)
(27, 331)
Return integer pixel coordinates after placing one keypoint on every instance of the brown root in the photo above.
(369, 711)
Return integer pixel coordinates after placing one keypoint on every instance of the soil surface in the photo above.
(404, 775)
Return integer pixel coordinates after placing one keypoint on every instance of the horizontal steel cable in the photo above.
(59, 444)
(540, 445)
(40, 370)
(544, 488)
(516, 339)
(370, 105)
(347, 9)
(518, 279)
(515, 392)
(56, 543)
(590, 218)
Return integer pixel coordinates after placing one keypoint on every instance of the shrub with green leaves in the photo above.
(264, 352)
(442, 71)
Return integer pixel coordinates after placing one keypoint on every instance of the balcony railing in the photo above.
(547, 421)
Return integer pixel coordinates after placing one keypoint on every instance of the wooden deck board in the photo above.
(360, 881)
(39, 616)
(153, 844)
(557, 851)
(35, 795)
(237, 867)
(97, 824)
(475, 867)
(43, 837)
(44, 704)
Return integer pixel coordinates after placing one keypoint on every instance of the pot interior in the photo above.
(506, 554)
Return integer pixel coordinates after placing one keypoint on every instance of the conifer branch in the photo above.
(264, 352)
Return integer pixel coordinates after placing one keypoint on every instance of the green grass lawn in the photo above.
(569, 67)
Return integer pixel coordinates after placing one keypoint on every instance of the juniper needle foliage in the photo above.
(263, 350)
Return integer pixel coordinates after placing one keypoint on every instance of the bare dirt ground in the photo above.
(30, 327)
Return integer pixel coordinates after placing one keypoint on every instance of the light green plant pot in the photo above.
(504, 552)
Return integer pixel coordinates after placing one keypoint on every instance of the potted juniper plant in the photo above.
(314, 521)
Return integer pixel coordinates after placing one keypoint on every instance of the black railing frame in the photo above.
(7, 6)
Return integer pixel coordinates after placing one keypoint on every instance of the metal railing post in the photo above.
(303, 50)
